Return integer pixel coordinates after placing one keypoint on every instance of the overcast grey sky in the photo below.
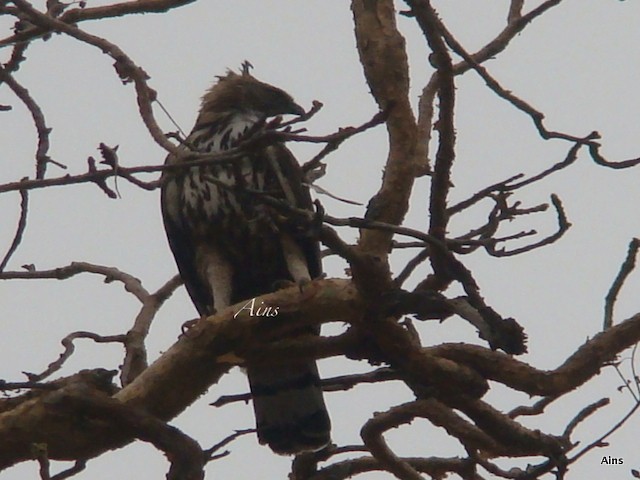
(579, 64)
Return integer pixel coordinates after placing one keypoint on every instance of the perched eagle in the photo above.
(230, 247)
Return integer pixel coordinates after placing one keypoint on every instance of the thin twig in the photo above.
(535, 409)
(600, 441)
(17, 57)
(563, 226)
(484, 193)
(22, 225)
(536, 116)
(636, 379)
(77, 467)
(99, 176)
(570, 158)
(625, 269)
(69, 348)
(333, 384)
(583, 414)
(119, 9)
(434, 467)
(334, 140)
(39, 451)
(210, 453)
(42, 156)
(411, 266)
(31, 385)
(125, 67)
(346, 382)
(135, 359)
(625, 383)
(131, 283)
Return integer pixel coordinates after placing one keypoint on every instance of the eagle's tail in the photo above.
(291, 416)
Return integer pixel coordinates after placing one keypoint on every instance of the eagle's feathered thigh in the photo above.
(229, 246)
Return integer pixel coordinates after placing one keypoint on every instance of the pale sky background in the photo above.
(579, 64)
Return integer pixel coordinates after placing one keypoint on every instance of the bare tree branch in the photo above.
(211, 453)
(372, 436)
(22, 225)
(625, 270)
(426, 17)
(266, 135)
(382, 53)
(180, 375)
(536, 116)
(135, 360)
(127, 70)
(516, 24)
(76, 15)
(448, 383)
(563, 226)
(186, 457)
(131, 284)
(42, 156)
(69, 348)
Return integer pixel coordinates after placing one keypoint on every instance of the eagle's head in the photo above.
(242, 92)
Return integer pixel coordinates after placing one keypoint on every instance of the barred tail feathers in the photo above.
(291, 416)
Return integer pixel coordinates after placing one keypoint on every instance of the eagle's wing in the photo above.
(293, 176)
(182, 245)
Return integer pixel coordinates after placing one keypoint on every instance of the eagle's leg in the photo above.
(217, 272)
(296, 261)
(219, 275)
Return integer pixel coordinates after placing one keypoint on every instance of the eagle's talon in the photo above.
(302, 284)
(281, 284)
(186, 327)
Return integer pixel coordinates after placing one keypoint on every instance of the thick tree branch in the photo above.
(383, 56)
(179, 376)
(186, 457)
(582, 365)
(372, 436)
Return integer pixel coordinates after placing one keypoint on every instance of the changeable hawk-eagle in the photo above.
(231, 247)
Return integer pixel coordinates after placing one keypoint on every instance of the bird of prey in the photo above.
(231, 247)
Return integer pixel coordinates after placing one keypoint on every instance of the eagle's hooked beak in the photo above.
(296, 109)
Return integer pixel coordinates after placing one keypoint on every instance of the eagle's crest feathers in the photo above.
(242, 92)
